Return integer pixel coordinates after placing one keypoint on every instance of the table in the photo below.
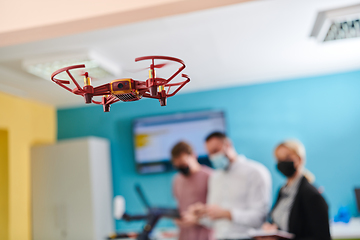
(349, 230)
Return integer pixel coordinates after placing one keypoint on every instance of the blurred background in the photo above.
(262, 71)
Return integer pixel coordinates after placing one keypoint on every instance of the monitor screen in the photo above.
(154, 137)
(357, 195)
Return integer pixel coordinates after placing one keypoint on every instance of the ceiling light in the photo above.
(342, 30)
(98, 67)
(335, 24)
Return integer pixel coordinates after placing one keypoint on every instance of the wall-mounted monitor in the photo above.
(154, 137)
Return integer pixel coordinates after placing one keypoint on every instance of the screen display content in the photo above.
(154, 137)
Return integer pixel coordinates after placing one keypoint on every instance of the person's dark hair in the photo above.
(180, 148)
(219, 135)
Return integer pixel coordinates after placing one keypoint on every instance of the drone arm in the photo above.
(108, 100)
(102, 90)
(112, 99)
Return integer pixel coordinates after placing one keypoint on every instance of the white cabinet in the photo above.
(72, 190)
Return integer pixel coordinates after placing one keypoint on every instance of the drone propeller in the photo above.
(160, 65)
(86, 74)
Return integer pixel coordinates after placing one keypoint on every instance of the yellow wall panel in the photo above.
(4, 186)
(27, 123)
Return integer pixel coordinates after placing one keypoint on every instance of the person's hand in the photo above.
(132, 235)
(191, 216)
(187, 219)
(215, 212)
(266, 238)
(269, 227)
(183, 223)
(198, 209)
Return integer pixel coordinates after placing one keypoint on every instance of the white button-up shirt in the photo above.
(245, 190)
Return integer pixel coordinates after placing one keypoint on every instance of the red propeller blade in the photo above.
(86, 74)
(160, 65)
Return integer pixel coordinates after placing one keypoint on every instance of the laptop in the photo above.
(357, 194)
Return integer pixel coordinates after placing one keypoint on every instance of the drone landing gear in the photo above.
(106, 107)
(163, 98)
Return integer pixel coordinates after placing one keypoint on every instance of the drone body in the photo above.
(126, 90)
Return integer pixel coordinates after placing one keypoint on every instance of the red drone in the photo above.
(126, 90)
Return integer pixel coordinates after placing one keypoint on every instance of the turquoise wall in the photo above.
(323, 112)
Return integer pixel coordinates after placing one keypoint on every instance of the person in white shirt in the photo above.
(239, 191)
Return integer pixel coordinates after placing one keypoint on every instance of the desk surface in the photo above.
(344, 231)
(349, 230)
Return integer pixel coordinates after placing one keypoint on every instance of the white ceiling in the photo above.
(248, 43)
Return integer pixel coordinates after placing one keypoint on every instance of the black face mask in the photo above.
(287, 168)
(184, 170)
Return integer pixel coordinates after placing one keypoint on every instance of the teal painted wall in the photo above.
(323, 112)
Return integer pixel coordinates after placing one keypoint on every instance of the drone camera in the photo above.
(121, 86)
(124, 90)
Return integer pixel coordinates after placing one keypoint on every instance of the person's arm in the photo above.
(212, 190)
(175, 189)
(258, 201)
(316, 211)
(188, 216)
(211, 199)
(175, 193)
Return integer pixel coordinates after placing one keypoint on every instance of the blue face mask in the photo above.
(219, 161)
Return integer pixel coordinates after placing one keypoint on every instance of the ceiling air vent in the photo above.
(336, 24)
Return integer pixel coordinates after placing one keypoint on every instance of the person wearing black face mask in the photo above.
(189, 187)
(185, 170)
(299, 209)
